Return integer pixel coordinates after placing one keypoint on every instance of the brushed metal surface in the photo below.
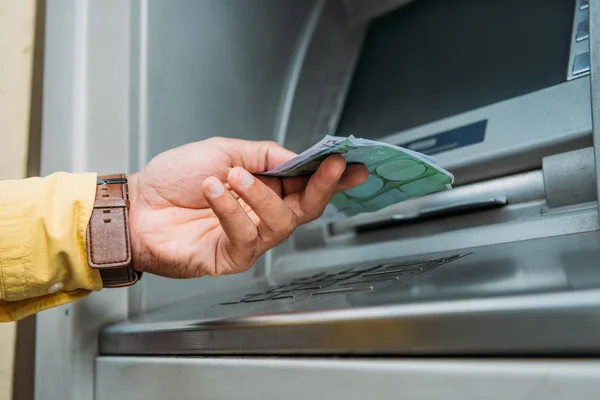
(86, 57)
(569, 178)
(594, 11)
(531, 297)
(148, 378)
(447, 234)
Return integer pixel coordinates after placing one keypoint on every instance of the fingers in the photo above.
(236, 224)
(253, 156)
(274, 156)
(285, 186)
(277, 220)
(310, 204)
(278, 217)
(354, 175)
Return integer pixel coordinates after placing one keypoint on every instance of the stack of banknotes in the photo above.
(395, 173)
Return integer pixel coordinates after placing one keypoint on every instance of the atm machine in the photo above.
(490, 290)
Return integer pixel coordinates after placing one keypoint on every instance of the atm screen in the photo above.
(433, 59)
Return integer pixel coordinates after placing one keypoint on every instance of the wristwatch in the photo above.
(108, 238)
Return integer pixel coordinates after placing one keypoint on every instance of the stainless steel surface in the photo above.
(580, 38)
(151, 378)
(594, 10)
(227, 49)
(463, 208)
(297, 63)
(570, 178)
(367, 278)
(535, 297)
(85, 118)
(315, 98)
(407, 241)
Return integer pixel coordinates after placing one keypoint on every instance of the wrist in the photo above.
(134, 208)
(108, 236)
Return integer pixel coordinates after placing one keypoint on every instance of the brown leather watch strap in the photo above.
(108, 240)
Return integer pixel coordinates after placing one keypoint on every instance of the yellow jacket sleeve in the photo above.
(43, 255)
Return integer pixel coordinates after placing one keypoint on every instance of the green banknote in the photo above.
(396, 174)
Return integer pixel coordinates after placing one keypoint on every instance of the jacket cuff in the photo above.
(43, 250)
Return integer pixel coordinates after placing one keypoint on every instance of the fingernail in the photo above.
(215, 187)
(246, 179)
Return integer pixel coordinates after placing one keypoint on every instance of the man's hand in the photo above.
(198, 210)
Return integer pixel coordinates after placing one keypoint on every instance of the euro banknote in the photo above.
(395, 173)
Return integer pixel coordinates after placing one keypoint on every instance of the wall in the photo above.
(17, 21)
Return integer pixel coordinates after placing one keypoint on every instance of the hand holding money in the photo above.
(395, 174)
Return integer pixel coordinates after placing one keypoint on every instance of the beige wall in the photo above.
(17, 21)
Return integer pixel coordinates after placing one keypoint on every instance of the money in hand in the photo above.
(395, 173)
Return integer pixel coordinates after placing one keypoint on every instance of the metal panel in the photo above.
(66, 342)
(348, 379)
(594, 10)
(58, 93)
(409, 241)
(530, 297)
(316, 96)
(554, 324)
(570, 178)
(214, 68)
